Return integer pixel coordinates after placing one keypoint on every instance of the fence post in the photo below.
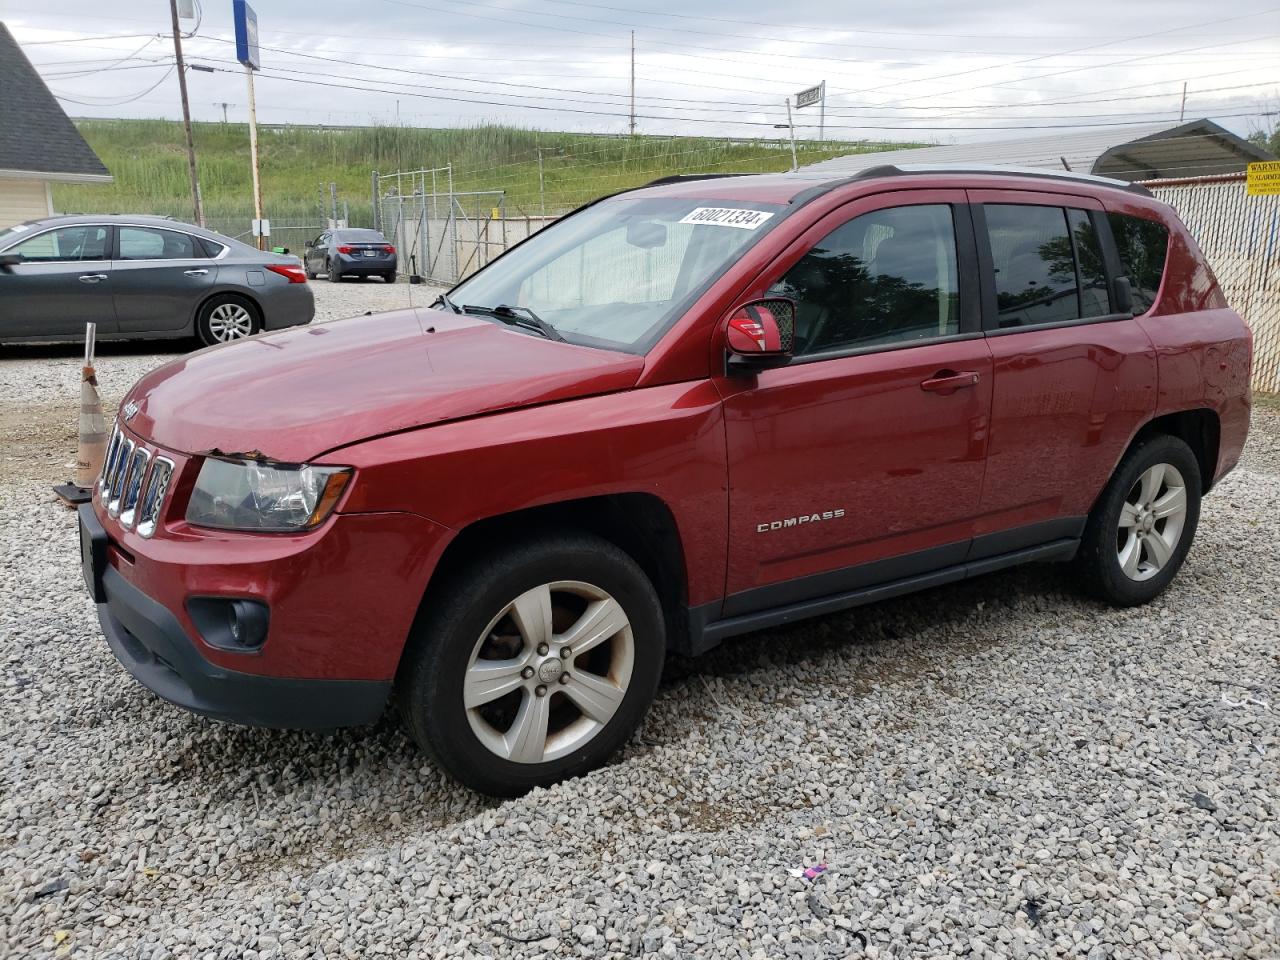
(373, 198)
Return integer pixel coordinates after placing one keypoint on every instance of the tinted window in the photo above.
(360, 236)
(881, 278)
(1034, 265)
(1143, 245)
(211, 247)
(148, 243)
(1094, 299)
(67, 243)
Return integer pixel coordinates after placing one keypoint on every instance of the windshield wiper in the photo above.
(444, 300)
(521, 317)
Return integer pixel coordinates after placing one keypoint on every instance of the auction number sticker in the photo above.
(727, 217)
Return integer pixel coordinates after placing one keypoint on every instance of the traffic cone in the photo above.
(93, 430)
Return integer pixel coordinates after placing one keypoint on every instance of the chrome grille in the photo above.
(133, 486)
(108, 462)
(153, 499)
(120, 475)
(128, 489)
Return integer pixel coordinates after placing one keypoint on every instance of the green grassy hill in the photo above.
(149, 165)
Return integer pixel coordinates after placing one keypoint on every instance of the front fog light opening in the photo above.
(236, 624)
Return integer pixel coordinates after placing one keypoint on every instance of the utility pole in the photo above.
(186, 115)
(633, 83)
(791, 125)
(224, 109)
(1182, 111)
(822, 113)
(253, 156)
(542, 189)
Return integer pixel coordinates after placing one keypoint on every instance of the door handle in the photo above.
(92, 277)
(949, 381)
(195, 273)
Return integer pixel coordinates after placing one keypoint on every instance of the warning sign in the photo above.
(1263, 179)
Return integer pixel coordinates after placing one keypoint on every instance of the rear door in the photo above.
(62, 283)
(158, 278)
(862, 460)
(1073, 380)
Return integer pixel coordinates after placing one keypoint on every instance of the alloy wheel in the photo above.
(1151, 521)
(230, 321)
(549, 672)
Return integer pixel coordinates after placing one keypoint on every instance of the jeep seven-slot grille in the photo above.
(133, 487)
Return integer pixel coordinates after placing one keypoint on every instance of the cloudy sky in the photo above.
(930, 71)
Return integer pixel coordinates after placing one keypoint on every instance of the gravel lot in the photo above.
(998, 768)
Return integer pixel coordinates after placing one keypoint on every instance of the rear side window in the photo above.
(147, 243)
(1094, 299)
(885, 277)
(1143, 245)
(1035, 271)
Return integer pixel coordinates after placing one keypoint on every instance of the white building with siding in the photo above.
(39, 145)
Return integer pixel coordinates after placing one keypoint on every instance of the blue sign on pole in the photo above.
(246, 22)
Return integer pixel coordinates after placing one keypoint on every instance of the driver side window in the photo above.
(81, 242)
(885, 277)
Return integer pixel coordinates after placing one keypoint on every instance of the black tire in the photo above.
(206, 325)
(429, 687)
(1098, 560)
(389, 277)
(306, 268)
(334, 275)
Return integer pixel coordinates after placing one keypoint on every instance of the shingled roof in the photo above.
(36, 137)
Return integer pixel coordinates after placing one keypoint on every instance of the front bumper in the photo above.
(152, 645)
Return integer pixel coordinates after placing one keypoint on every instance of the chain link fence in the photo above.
(443, 235)
(1240, 236)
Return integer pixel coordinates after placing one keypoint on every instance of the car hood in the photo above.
(294, 394)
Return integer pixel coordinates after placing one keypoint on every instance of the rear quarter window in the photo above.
(1142, 245)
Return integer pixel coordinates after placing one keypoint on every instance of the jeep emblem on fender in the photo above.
(129, 410)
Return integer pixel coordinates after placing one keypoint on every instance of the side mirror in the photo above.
(760, 335)
(8, 261)
(1122, 295)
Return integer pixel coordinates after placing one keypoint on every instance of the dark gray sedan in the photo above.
(350, 252)
(139, 277)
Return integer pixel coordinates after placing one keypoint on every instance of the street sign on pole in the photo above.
(246, 24)
(807, 98)
(815, 96)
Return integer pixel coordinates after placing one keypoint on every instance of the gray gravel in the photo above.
(994, 769)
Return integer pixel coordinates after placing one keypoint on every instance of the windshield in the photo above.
(619, 273)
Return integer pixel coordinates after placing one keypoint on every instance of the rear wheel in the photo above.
(1142, 526)
(534, 665)
(332, 272)
(227, 317)
(389, 277)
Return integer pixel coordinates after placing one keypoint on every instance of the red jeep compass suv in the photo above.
(693, 410)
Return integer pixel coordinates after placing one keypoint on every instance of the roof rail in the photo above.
(1047, 173)
(906, 170)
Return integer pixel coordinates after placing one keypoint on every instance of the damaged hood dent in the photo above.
(292, 395)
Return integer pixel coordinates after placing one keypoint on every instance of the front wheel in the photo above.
(225, 318)
(1142, 526)
(533, 665)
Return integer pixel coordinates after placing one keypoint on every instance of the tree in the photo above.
(1267, 141)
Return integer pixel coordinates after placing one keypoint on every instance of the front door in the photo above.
(862, 461)
(62, 282)
(159, 278)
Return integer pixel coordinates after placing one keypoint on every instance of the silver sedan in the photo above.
(139, 277)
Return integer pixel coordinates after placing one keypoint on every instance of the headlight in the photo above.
(255, 495)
